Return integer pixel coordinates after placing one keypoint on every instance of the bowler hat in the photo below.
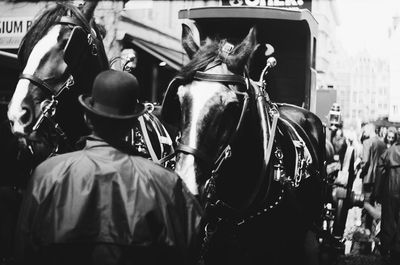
(114, 95)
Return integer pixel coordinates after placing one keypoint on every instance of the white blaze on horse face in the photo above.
(199, 98)
(185, 169)
(15, 108)
(201, 94)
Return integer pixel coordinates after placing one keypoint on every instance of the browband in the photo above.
(236, 79)
(72, 21)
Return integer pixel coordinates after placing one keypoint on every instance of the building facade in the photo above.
(326, 14)
(394, 48)
(363, 88)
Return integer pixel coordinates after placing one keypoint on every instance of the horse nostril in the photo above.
(26, 116)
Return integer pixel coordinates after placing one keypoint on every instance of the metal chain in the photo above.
(262, 211)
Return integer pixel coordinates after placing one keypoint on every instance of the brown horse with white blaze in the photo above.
(257, 166)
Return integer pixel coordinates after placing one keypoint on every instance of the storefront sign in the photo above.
(269, 3)
(12, 30)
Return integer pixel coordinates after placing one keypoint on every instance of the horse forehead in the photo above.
(43, 46)
(202, 94)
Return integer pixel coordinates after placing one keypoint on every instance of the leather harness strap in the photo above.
(195, 152)
(37, 81)
(67, 20)
(235, 79)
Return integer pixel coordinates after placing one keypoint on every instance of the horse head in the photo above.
(217, 115)
(59, 56)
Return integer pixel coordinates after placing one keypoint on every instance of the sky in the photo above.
(365, 24)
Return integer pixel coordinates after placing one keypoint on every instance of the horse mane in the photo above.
(203, 57)
(43, 23)
(211, 51)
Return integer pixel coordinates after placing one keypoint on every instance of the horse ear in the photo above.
(88, 9)
(190, 43)
(238, 58)
(251, 39)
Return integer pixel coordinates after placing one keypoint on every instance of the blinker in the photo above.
(76, 49)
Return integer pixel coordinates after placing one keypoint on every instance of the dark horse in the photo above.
(255, 165)
(59, 58)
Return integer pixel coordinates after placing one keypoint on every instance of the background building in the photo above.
(394, 48)
(363, 88)
(325, 12)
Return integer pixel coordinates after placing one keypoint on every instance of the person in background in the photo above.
(383, 132)
(339, 144)
(104, 204)
(373, 148)
(391, 137)
(388, 194)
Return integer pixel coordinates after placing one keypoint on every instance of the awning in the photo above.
(173, 58)
(8, 60)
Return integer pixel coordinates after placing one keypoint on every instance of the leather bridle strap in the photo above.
(43, 85)
(37, 81)
(70, 21)
(235, 79)
(194, 152)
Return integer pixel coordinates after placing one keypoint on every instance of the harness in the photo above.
(216, 209)
(48, 106)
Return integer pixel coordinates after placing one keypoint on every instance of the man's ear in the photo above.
(88, 121)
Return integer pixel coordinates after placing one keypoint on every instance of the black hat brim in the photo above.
(85, 101)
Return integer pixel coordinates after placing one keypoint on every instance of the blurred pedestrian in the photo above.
(388, 194)
(339, 144)
(373, 147)
(391, 137)
(383, 132)
(104, 204)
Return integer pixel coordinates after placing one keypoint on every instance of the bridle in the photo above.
(228, 80)
(226, 152)
(49, 106)
(260, 94)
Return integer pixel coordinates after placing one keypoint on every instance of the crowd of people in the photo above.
(377, 165)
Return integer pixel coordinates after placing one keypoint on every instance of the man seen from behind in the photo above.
(104, 204)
